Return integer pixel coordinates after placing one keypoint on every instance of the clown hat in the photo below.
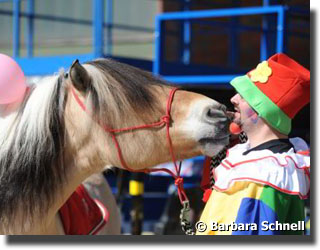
(276, 89)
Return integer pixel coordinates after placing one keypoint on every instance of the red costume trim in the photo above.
(206, 195)
(266, 157)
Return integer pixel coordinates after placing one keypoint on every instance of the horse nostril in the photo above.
(215, 113)
(210, 113)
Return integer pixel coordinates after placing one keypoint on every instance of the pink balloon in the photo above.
(12, 80)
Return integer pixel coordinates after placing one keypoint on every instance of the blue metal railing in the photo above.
(42, 65)
(102, 46)
(98, 21)
(16, 28)
(186, 16)
(30, 28)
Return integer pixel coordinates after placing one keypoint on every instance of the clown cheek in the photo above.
(254, 119)
(252, 115)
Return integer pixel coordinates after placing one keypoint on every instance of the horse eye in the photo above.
(66, 75)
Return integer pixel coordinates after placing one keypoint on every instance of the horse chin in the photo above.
(211, 147)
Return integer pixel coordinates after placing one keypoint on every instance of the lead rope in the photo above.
(185, 220)
(178, 180)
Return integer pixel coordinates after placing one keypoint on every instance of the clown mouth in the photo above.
(236, 116)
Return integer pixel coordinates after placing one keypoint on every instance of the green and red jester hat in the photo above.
(276, 89)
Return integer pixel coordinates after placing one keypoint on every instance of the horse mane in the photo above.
(121, 92)
(31, 144)
(32, 140)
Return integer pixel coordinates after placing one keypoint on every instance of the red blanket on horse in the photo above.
(83, 215)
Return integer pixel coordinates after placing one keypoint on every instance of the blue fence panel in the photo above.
(231, 12)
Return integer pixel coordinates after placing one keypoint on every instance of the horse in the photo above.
(64, 131)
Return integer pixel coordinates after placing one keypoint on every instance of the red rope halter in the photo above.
(165, 120)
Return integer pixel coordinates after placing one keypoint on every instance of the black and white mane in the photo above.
(32, 139)
(31, 164)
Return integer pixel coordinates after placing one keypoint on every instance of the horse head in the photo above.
(117, 96)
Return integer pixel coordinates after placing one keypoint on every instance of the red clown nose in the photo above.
(234, 128)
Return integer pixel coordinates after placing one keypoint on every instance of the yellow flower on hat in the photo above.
(261, 73)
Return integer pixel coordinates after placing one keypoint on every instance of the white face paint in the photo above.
(208, 124)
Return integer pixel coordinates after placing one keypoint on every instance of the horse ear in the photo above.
(79, 76)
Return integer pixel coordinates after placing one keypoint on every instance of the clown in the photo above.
(261, 185)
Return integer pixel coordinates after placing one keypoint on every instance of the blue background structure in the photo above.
(103, 40)
(275, 30)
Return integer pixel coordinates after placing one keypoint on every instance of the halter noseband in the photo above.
(165, 120)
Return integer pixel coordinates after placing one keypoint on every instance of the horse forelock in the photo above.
(122, 92)
(31, 161)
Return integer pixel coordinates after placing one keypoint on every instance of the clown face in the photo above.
(244, 115)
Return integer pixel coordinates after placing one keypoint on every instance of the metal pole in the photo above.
(136, 189)
(242, 11)
(280, 30)
(233, 38)
(109, 27)
(186, 35)
(30, 28)
(157, 46)
(264, 37)
(98, 15)
(16, 28)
